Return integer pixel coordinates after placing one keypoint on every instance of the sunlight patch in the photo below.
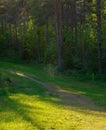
(20, 74)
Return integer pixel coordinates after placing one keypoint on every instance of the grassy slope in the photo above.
(29, 108)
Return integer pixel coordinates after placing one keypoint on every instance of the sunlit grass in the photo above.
(28, 107)
(30, 112)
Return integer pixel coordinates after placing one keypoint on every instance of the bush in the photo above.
(5, 85)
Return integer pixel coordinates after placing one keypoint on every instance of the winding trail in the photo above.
(66, 96)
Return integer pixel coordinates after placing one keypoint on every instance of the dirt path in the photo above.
(66, 96)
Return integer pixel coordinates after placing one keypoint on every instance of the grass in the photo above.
(26, 106)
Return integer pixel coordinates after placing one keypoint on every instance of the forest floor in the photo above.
(37, 98)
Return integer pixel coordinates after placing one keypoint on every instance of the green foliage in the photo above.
(3, 91)
(50, 53)
(6, 85)
(29, 45)
(28, 32)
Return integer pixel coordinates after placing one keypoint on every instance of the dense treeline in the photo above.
(67, 33)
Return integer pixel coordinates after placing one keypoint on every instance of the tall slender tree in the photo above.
(99, 38)
(58, 15)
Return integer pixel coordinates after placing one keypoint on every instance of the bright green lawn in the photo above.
(27, 107)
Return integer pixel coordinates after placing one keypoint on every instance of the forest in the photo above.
(67, 33)
(52, 64)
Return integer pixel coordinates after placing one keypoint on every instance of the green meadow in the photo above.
(35, 97)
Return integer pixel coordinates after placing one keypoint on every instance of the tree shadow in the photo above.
(45, 94)
(20, 109)
(63, 97)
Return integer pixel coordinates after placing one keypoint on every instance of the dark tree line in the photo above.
(68, 33)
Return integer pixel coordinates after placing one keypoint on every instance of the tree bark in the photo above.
(58, 14)
(83, 35)
(75, 27)
(98, 8)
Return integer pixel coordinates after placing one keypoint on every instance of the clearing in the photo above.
(38, 99)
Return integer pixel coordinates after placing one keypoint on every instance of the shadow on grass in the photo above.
(33, 88)
(64, 97)
(22, 110)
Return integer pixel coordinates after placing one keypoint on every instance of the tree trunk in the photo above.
(83, 48)
(58, 14)
(98, 4)
(83, 35)
(21, 42)
(38, 45)
(47, 31)
(75, 27)
(16, 39)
